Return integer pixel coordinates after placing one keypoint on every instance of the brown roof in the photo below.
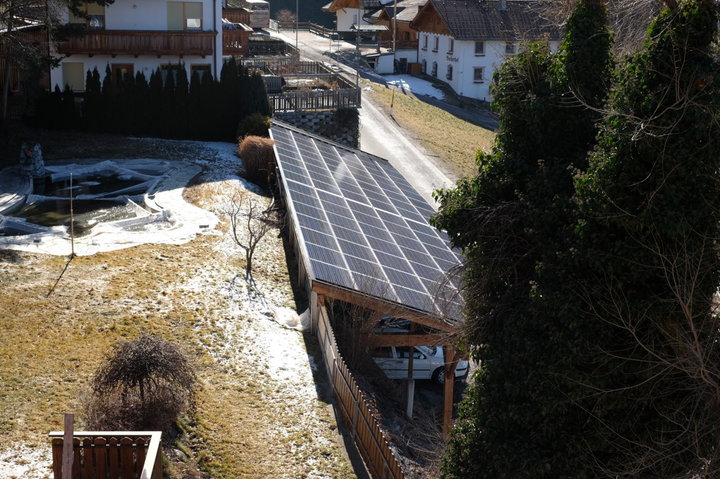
(487, 20)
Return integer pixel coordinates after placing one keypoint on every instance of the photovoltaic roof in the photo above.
(362, 226)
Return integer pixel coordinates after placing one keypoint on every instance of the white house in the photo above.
(463, 42)
(352, 12)
(134, 36)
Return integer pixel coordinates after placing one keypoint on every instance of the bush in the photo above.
(258, 158)
(144, 385)
(254, 124)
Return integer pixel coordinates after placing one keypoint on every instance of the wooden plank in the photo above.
(88, 469)
(127, 462)
(57, 455)
(100, 453)
(449, 385)
(67, 462)
(376, 304)
(114, 457)
(401, 340)
(76, 459)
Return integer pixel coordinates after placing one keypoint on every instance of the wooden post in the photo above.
(68, 455)
(450, 363)
(410, 381)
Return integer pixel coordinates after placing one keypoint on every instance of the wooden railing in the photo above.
(404, 44)
(111, 455)
(140, 42)
(288, 66)
(315, 100)
(236, 42)
(236, 15)
(369, 439)
(271, 47)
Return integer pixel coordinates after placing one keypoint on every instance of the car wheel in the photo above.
(439, 376)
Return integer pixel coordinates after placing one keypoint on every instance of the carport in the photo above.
(361, 235)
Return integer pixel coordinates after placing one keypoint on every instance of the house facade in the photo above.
(352, 12)
(463, 43)
(131, 36)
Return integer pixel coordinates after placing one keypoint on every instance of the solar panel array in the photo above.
(363, 226)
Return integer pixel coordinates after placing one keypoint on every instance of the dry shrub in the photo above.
(258, 158)
(145, 384)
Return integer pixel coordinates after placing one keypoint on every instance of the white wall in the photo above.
(148, 15)
(464, 61)
(144, 64)
(347, 17)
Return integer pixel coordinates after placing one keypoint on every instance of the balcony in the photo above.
(139, 42)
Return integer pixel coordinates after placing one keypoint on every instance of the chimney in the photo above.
(502, 5)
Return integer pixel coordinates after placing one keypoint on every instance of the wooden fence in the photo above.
(271, 47)
(111, 455)
(315, 100)
(364, 427)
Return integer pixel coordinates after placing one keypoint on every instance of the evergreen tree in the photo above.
(514, 222)
(167, 105)
(108, 102)
(231, 105)
(651, 205)
(92, 103)
(141, 111)
(182, 104)
(156, 116)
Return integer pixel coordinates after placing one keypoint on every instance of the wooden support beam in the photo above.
(378, 340)
(376, 304)
(449, 389)
(68, 446)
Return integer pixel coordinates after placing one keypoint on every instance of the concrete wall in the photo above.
(323, 123)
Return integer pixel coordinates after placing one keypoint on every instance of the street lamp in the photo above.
(297, 20)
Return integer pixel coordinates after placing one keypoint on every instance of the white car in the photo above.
(428, 363)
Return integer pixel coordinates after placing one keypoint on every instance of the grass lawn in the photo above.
(453, 140)
(259, 414)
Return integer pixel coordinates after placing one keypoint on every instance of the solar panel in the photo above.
(363, 226)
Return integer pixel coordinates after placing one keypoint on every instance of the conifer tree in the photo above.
(181, 104)
(141, 110)
(92, 102)
(514, 222)
(651, 212)
(108, 102)
(156, 116)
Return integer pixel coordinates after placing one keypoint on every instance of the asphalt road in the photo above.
(380, 135)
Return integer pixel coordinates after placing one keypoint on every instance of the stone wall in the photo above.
(340, 126)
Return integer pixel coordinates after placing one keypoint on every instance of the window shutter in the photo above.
(73, 76)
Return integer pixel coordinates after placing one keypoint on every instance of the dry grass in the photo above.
(453, 140)
(248, 423)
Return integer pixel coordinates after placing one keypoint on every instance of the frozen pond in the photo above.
(115, 204)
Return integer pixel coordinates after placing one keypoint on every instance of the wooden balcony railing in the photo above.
(236, 42)
(236, 15)
(139, 42)
(111, 454)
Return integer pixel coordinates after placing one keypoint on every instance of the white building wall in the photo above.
(347, 17)
(464, 61)
(144, 64)
(147, 15)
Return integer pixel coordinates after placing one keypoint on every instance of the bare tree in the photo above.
(286, 16)
(249, 223)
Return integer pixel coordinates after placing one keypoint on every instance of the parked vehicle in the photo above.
(428, 363)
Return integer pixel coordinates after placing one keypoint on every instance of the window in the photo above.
(425, 42)
(437, 44)
(434, 69)
(509, 48)
(201, 71)
(478, 74)
(121, 73)
(74, 75)
(405, 354)
(383, 352)
(448, 75)
(184, 15)
(479, 49)
(406, 36)
(95, 16)
(424, 66)
(452, 45)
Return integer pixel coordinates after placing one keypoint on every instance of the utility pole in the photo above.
(394, 35)
(297, 23)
